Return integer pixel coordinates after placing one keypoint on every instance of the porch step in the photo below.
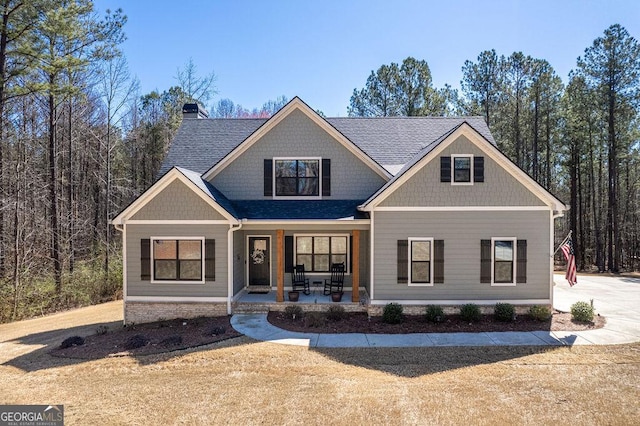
(260, 289)
(250, 308)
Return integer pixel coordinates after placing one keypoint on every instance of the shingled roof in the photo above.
(390, 141)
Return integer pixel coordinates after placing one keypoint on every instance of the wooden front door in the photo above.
(259, 260)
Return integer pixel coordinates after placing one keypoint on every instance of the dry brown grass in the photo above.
(241, 381)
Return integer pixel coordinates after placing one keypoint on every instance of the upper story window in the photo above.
(297, 177)
(462, 169)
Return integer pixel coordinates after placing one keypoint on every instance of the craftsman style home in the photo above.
(418, 211)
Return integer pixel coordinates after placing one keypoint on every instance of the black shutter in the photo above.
(268, 178)
(210, 260)
(485, 261)
(478, 169)
(438, 261)
(145, 260)
(326, 177)
(403, 261)
(288, 253)
(521, 268)
(445, 169)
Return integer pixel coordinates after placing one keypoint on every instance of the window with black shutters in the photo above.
(179, 260)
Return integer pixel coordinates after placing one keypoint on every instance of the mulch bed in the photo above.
(157, 337)
(359, 322)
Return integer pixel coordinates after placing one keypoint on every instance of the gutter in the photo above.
(232, 228)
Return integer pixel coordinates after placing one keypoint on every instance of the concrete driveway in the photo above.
(616, 298)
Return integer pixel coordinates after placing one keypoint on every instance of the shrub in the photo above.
(72, 341)
(434, 313)
(293, 312)
(504, 312)
(102, 330)
(335, 313)
(582, 311)
(135, 342)
(539, 312)
(216, 331)
(470, 312)
(315, 319)
(392, 313)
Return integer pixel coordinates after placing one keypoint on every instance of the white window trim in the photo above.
(178, 282)
(297, 197)
(410, 283)
(453, 169)
(348, 262)
(493, 263)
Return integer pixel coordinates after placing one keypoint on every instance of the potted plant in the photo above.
(336, 296)
(294, 295)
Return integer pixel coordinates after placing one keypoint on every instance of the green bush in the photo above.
(315, 319)
(293, 312)
(470, 312)
(434, 313)
(539, 312)
(504, 312)
(335, 313)
(582, 312)
(392, 313)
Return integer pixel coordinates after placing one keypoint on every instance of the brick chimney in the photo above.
(194, 111)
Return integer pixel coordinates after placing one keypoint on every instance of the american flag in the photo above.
(570, 256)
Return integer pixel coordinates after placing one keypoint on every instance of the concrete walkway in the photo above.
(615, 298)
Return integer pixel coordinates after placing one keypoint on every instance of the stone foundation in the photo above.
(141, 312)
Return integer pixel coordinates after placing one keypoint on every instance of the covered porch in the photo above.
(315, 301)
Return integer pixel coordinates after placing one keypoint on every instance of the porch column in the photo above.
(355, 262)
(280, 265)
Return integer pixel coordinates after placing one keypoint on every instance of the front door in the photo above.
(259, 260)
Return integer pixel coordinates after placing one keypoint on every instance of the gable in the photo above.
(500, 188)
(297, 135)
(177, 202)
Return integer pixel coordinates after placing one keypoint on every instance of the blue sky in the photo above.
(322, 50)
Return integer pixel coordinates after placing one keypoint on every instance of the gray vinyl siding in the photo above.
(365, 255)
(297, 136)
(462, 232)
(177, 202)
(499, 188)
(136, 287)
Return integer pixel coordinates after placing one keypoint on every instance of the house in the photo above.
(421, 210)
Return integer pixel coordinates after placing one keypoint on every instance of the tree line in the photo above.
(580, 140)
(79, 141)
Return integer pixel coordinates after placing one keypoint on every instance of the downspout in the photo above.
(555, 214)
(232, 228)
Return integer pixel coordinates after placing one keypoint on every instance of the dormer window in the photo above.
(297, 177)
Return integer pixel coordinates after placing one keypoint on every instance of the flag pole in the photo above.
(563, 241)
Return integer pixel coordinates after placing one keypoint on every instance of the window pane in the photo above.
(304, 244)
(285, 168)
(338, 245)
(308, 186)
(321, 263)
(307, 168)
(304, 259)
(420, 272)
(190, 249)
(166, 270)
(462, 169)
(286, 186)
(190, 270)
(164, 249)
(339, 258)
(321, 245)
(421, 250)
(504, 250)
(503, 272)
